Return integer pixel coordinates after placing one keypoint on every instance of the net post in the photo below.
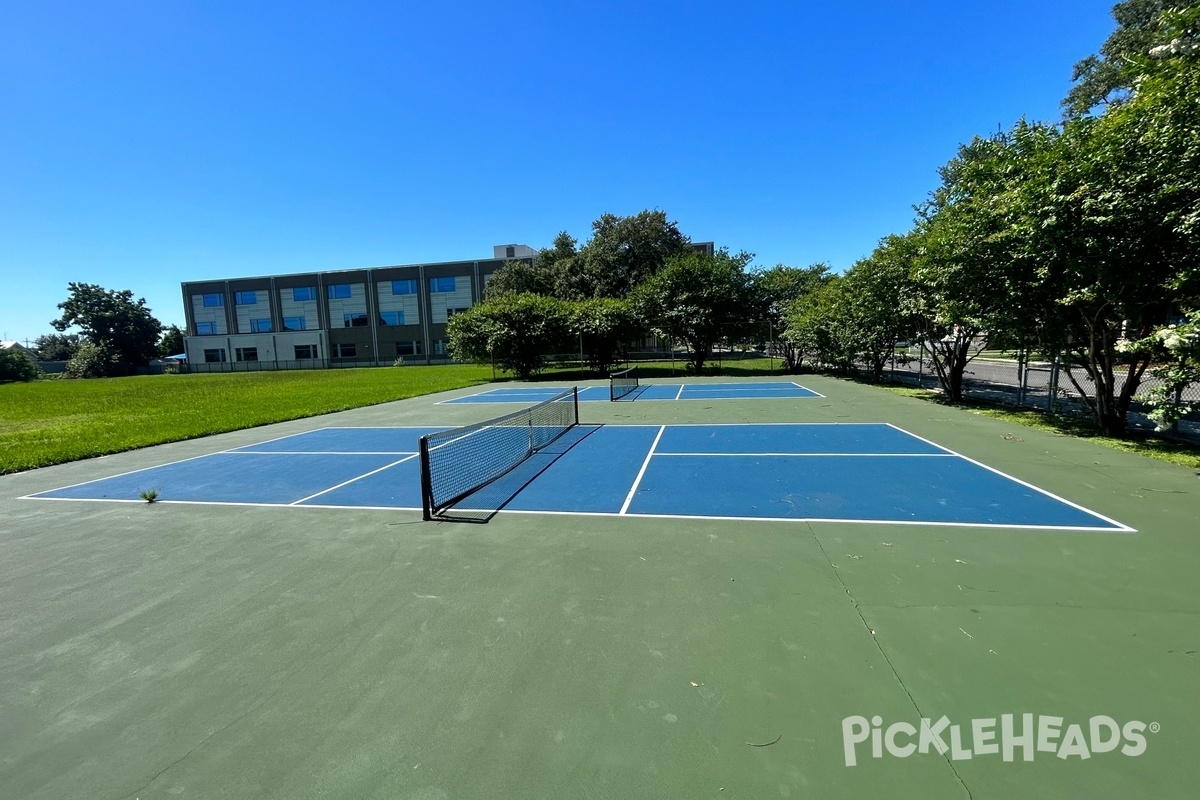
(575, 395)
(426, 481)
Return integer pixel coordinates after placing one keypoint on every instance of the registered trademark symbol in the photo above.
(1155, 727)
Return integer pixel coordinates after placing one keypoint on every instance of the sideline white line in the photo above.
(679, 394)
(320, 453)
(352, 480)
(642, 471)
(805, 388)
(1026, 484)
(816, 455)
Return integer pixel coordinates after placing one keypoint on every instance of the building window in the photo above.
(441, 285)
(347, 350)
(245, 298)
(206, 329)
(214, 300)
(306, 351)
(302, 293)
(293, 323)
(408, 348)
(439, 347)
(215, 356)
(260, 326)
(338, 290)
(404, 287)
(391, 318)
(246, 353)
(510, 252)
(354, 321)
(450, 312)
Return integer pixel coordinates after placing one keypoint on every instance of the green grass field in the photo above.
(52, 422)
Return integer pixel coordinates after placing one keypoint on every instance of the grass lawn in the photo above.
(53, 421)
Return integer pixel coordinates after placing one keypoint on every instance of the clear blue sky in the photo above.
(147, 143)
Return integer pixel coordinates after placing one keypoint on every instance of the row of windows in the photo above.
(303, 352)
(334, 291)
(387, 319)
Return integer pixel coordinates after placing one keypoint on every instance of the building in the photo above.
(357, 317)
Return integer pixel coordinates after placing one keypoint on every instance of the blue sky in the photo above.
(147, 143)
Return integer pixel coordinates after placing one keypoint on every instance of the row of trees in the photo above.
(636, 275)
(1079, 238)
(117, 334)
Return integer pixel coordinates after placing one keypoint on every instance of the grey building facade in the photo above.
(340, 318)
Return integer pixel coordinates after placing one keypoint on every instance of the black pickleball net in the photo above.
(623, 383)
(457, 462)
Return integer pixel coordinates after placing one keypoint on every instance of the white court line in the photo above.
(679, 394)
(828, 519)
(320, 453)
(814, 455)
(1026, 484)
(506, 511)
(642, 471)
(123, 474)
(352, 480)
(805, 388)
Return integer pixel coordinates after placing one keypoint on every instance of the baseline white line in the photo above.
(352, 480)
(829, 519)
(816, 455)
(275, 439)
(1026, 484)
(642, 471)
(320, 453)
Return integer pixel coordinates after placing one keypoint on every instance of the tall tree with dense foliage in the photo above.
(57, 346)
(775, 290)
(698, 299)
(113, 320)
(515, 331)
(171, 342)
(872, 305)
(606, 327)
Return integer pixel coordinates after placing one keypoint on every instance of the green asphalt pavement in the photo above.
(212, 651)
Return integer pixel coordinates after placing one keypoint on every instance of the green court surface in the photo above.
(163, 651)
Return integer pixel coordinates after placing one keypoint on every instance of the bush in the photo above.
(18, 365)
(94, 361)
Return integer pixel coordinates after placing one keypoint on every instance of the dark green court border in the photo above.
(164, 651)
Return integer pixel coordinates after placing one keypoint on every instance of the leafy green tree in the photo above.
(113, 320)
(171, 342)
(1175, 350)
(57, 346)
(17, 365)
(698, 299)
(516, 331)
(775, 290)
(624, 251)
(870, 308)
(607, 327)
(93, 360)
(1108, 78)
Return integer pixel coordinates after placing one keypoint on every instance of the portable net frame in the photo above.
(623, 383)
(460, 461)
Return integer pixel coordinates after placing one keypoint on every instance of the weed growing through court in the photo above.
(149, 495)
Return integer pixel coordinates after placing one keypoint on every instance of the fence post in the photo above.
(1022, 374)
(1053, 385)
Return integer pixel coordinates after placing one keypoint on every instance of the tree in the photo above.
(775, 290)
(17, 365)
(112, 320)
(697, 298)
(1107, 79)
(870, 306)
(94, 361)
(57, 346)
(171, 342)
(516, 331)
(606, 327)
(1175, 349)
(624, 251)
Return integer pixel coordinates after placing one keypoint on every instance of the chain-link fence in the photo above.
(1047, 386)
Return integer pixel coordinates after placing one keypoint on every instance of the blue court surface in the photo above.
(847, 472)
(647, 391)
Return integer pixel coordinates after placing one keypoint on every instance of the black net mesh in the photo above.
(622, 383)
(456, 462)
